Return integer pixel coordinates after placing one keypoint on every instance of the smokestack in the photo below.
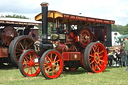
(44, 20)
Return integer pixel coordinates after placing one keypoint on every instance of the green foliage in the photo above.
(16, 16)
(118, 28)
(121, 29)
(126, 29)
(40, 29)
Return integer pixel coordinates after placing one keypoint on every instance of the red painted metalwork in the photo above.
(66, 56)
(3, 52)
(89, 19)
(71, 56)
(86, 37)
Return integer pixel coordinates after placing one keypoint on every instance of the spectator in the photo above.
(125, 46)
(123, 58)
(116, 56)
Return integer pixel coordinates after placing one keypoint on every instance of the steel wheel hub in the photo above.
(31, 63)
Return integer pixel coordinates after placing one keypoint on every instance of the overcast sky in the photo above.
(105, 9)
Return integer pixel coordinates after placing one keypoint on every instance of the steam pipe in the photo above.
(44, 20)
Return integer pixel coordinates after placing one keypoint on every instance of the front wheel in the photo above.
(29, 64)
(51, 64)
(95, 57)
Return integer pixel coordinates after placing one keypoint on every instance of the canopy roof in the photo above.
(121, 37)
(18, 21)
(64, 18)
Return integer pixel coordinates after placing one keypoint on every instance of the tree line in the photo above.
(15, 16)
(120, 28)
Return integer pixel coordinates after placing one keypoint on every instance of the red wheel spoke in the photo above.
(57, 61)
(47, 67)
(93, 49)
(92, 62)
(93, 66)
(25, 66)
(26, 59)
(54, 69)
(29, 70)
(96, 47)
(90, 59)
(30, 57)
(55, 58)
(25, 63)
(52, 72)
(91, 55)
(101, 52)
(100, 57)
(57, 66)
(46, 63)
(34, 68)
(48, 70)
(98, 50)
(98, 67)
(102, 61)
(49, 59)
(51, 56)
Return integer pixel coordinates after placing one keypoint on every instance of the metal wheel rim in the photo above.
(97, 58)
(22, 45)
(30, 64)
(52, 64)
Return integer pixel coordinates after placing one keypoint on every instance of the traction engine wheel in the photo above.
(29, 64)
(18, 46)
(95, 57)
(51, 64)
(86, 37)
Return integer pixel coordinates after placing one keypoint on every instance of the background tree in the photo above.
(126, 29)
(16, 16)
(118, 28)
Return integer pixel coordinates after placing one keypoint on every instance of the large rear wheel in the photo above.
(29, 64)
(95, 57)
(51, 64)
(18, 46)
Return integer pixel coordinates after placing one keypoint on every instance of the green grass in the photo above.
(111, 76)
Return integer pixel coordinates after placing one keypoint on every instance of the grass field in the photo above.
(111, 76)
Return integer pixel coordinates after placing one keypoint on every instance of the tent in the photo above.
(121, 37)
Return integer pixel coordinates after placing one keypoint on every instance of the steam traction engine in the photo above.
(15, 38)
(73, 42)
